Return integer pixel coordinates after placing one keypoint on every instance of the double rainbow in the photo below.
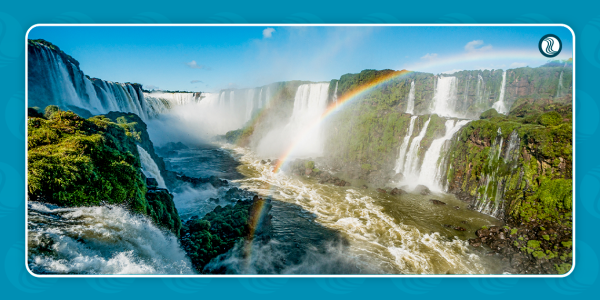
(346, 98)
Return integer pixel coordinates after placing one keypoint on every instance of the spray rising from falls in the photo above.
(430, 174)
(150, 168)
(410, 106)
(214, 114)
(99, 240)
(309, 104)
(500, 106)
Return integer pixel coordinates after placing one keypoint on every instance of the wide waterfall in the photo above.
(444, 101)
(310, 102)
(99, 240)
(499, 105)
(410, 106)
(149, 167)
(55, 80)
(430, 174)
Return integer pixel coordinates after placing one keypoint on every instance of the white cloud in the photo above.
(268, 33)
(195, 81)
(194, 65)
(430, 56)
(518, 65)
(477, 46)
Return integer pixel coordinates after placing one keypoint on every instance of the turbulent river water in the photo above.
(322, 228)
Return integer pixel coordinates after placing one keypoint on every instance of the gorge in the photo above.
(378, 172)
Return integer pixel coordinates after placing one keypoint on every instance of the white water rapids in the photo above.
(100, 240)
(379, 241)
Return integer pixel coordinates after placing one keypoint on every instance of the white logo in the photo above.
(550, 45)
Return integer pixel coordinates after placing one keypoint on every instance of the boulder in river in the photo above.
(437, 202)
(423, 190)
(397, 191)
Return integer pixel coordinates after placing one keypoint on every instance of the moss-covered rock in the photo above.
(77, 162)
(89, 162)
(218, 231)
(490, 113)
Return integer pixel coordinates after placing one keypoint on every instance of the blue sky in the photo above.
(205, 58)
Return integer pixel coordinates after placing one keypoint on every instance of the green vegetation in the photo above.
(218, 231)
(77, 162)
(562, 268)
(89, 162)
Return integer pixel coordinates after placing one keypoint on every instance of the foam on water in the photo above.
(375, 237)
(99, 240)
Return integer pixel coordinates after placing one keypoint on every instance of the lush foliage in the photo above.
(218, 231)
(77, 162)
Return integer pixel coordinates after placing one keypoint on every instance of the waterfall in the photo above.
(149, 167)
(430, 174)
(260, 99)
(478, 94)
(99, 240)
(411, 165)
(444, 101)
(467, 91)
(499, 170)
(268, 96)
(560, 86)
(175, 98)
(499, 105)
(402, 154)
(55, 80)
(249, 105)
(335, 96)
(310, 102)
(410, 106)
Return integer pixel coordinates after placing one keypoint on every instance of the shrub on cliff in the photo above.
(216, 233)
(77, 162)
(490, 113)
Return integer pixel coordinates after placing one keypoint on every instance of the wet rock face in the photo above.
(530, 249)
(218, 231)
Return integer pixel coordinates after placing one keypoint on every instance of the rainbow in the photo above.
(257, 214)
(346, 98)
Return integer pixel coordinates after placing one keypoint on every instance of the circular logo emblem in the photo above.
(550, 45)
